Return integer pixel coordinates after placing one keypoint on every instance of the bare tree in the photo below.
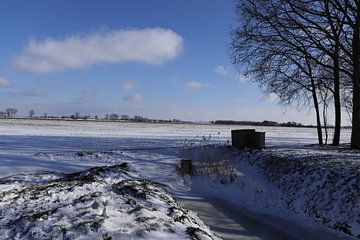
(301, 40)
(125, 117)
(323, 25)
(11, 112)
(8, 112)
(276, 54)
(351, 48)
(31, 113)
(139, 118)
(114, 116)
(325, 99)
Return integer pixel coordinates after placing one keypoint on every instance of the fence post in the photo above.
(186, 167)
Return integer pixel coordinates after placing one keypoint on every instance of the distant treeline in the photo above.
(11, 113)
(263, 123)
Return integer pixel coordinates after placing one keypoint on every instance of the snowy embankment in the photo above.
(320, 183)
(100, 203)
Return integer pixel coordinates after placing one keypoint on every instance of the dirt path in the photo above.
(231, 222)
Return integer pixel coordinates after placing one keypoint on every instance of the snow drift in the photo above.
(100, 203)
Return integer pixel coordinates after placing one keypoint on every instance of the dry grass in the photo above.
(210, 160)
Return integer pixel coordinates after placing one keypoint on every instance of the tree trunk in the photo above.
(337, 104)
(325, 107)
(316, 106)
(355, 134)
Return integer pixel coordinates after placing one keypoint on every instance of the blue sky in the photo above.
(159, 59)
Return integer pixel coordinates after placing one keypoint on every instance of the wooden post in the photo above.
(186, 167)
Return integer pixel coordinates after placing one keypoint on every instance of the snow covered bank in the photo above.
(321, 183)
(295, 182)
(100, 203)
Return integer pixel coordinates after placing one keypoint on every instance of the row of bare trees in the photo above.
(305, 51)
(9, 113)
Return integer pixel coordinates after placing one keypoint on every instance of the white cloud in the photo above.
(241, 78)
(134, 98)
(193, 85)
(4, 82)
(272, 97)
(128, 85)
(221, 70)
(150, 45)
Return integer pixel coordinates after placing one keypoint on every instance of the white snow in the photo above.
(101, 203)
(305, 184)
(154, 150)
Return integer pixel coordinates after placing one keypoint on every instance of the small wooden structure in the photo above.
(186, 167)
(247, 138)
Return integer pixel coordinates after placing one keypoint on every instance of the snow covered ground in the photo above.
(153, 151)
(304, 184)
(100, 203)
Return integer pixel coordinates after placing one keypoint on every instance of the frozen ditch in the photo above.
(308, 185)
(232, 222)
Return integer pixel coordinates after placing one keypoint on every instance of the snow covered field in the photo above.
(152, 151)
(29, 145)
(274, 135)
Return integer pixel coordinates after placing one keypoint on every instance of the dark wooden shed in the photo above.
(247, 138)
